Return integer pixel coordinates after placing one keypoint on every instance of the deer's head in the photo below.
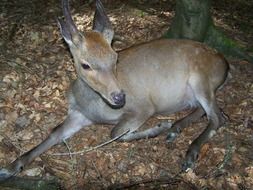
(94, 58)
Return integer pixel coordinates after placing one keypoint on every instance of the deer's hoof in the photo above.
(5, 174)
(190, 158)
(171, 137)
(187, 165)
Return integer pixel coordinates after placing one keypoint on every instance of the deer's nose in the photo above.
(118, 98)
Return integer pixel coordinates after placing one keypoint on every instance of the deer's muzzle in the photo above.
(119, 99)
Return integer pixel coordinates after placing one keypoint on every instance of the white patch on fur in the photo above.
(212, 133)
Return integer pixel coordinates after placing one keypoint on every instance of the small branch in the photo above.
(92, 148)
(30, 184)
(149, 182)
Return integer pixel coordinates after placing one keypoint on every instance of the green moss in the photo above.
(230, 48)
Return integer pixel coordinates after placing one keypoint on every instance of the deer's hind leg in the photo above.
(205, 95)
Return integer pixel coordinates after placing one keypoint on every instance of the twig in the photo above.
(220, 166)
(14, 64)
(92, 148)
(65, 142)
(97, 171)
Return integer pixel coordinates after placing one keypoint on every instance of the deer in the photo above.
(126, 88)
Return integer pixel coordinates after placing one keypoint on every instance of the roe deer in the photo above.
(126, 88)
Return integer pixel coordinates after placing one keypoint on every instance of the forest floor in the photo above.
(36, 70)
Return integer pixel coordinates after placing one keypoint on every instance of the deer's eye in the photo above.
(85, 66)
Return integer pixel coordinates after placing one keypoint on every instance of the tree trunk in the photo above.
(193, 21)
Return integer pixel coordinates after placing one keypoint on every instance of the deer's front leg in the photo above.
(73, 123)
(131, 122)
(179, 125)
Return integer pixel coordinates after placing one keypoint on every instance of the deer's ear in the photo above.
(65, 32)
(70, 37)
(101, 22)
(68, 28)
